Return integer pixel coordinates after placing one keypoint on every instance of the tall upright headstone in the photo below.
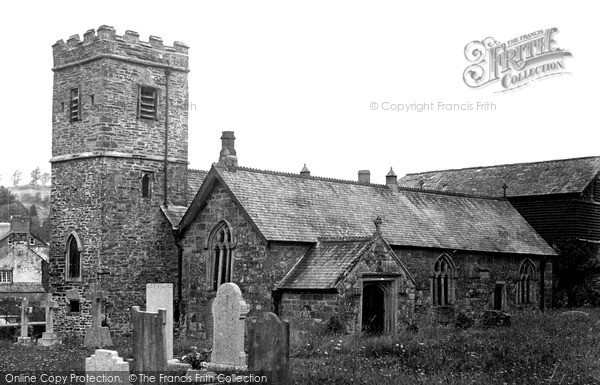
(149, 340)
(25, 311)
(269, 348)
(229, 312)
(97, 336)
(49, 338)
(109, 364)
(160, 296)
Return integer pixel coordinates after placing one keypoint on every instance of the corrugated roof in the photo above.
(287, 207)
(523, 179)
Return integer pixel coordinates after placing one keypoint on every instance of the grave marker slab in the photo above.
(229, 312)
(49, 338)
(149, 340)
(160, 296)
(97, 336)
(269, 348)
(108, 363)
(25, 311)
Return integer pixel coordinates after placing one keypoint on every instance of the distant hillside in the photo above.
(34, 195)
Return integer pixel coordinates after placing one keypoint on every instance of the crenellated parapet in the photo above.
(105, 43)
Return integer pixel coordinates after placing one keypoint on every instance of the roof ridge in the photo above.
(343, 239)
(197, 169)
(344, 181)
(323, 178)
(502, 165)
(450, 193)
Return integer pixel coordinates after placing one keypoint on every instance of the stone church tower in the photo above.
(119, 153)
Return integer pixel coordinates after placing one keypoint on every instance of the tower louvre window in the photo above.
(147, 102)
(597, 189)
(74, 106)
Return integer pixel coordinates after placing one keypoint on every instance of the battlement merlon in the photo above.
(105, 43)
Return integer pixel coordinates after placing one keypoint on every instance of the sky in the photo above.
(315, 82)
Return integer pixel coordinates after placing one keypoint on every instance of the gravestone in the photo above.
(49, 338)
(109, 364)
(160, 296)
(149, 340)
(269, 348)
(229, 312)
(25, 311)
(97, 336)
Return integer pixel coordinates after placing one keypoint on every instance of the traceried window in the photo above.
(442, 281)
(526, 284)
(6, 276)
(74, 106)
(221, 258)
(147, 102)
(73, 259)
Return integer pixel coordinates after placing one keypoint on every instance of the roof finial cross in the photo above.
(421, 183)
(378, 221)
(504, 187)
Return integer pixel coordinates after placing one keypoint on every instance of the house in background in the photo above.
(23, 260)
(559, 198)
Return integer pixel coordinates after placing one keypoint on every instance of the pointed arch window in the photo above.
(442, 281)
(221, 257)
(73, 258)
(147, 184)
(526, 284)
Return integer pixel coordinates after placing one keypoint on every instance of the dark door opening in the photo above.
(373, 309)
(498, 291)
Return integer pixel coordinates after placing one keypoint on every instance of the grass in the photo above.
(537, 349)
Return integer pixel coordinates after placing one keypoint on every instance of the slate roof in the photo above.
(288, 207)
(523, 179)
(322, 266)
(174, 214)
(195, 178)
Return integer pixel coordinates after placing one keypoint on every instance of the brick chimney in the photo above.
(20, 224)
(364, 176)
(391, 179)
(228, 156)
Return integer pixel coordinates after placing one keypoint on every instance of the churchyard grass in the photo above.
(537, 349)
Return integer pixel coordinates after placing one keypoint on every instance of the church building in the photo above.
(126, 210)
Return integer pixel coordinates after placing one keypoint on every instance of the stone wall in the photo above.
(341, 308)
(97, 169)
(257, 264)
(476, 276)
(126, 239)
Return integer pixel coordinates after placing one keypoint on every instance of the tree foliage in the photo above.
(6, 196)
(16, 177)
(36, 174)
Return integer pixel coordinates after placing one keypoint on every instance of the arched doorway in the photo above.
(373, 309)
